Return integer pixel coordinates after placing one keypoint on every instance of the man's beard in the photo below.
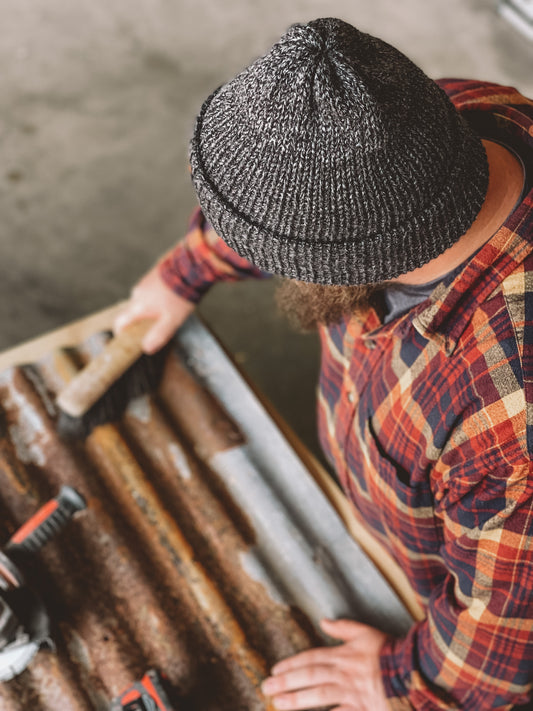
(308, 305)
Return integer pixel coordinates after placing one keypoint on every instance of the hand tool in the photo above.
(24, 622)
(141, 377)
(101, 391)
(145, 695)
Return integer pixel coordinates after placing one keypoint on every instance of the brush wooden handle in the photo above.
(96, 378)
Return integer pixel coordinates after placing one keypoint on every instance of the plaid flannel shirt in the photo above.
(428, 421)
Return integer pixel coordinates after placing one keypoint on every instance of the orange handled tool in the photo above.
(24, 621)
(48, 521)
(145, 695)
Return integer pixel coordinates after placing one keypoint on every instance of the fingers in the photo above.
(134, 311)
(308, 676)
(151, 298)
(347, 675)
(160, 333)
(158, 336)
(319, 656)
(324, 695)
(308, 680)
(346, 630)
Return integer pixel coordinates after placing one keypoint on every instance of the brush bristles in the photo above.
(141, 378)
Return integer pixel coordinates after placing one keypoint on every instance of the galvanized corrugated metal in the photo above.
(207, 551)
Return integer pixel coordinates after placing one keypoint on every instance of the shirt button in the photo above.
(370, 344)
(351, 396)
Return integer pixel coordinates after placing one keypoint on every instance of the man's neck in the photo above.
(506, 180)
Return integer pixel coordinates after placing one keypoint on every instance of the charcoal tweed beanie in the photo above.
(334, 159)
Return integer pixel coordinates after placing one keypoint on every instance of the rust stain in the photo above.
(158, 571)
(128, 480)
(196, 412)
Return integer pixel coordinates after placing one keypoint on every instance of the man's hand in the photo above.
(152, 298)
(347, 677)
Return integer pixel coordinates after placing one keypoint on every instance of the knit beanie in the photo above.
(334, 159)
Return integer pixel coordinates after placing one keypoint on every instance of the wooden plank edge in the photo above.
(71, 334)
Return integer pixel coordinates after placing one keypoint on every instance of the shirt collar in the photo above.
(444, 318)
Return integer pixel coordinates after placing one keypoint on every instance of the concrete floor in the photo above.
(97, 101)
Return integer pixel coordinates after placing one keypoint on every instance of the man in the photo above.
(404, 224)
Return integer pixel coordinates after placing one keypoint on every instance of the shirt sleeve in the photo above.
(475, 648)
(201, 259)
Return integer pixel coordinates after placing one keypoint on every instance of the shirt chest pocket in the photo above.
(400, 501)
(383, 461)
(390, 479)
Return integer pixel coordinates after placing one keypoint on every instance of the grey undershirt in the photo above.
(401, 298)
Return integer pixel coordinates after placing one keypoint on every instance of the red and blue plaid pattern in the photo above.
(428, 421)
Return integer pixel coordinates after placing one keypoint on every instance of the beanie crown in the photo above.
(334, 159)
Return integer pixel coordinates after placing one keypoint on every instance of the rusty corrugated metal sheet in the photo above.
(205, 552)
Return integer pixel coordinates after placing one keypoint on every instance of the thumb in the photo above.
(158, 336)
(345, 630)
(132, 312)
